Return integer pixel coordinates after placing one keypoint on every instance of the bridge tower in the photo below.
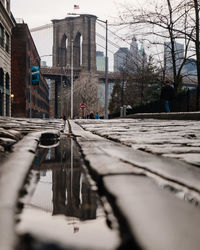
(82, 31)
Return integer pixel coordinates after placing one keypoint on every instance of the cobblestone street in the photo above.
(148, 170)
(177, 138)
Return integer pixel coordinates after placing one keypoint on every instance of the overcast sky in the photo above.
(40, 12)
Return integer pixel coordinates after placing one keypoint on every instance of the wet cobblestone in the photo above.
(170, 138)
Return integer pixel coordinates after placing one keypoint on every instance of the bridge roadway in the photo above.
(57, 72)
(147, 168)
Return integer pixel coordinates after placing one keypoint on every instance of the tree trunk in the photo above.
(196, 7)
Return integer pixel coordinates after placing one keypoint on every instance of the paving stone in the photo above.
(103, 164)
(157, 220)
(79, 132)
(7, 235)
(17, 134)
(167, 151)
(168, 168)
(151, 135)
(7, 142)
(187, 157)
(7, 134)
(2, 149)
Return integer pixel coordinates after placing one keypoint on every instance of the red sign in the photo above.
(82, 105)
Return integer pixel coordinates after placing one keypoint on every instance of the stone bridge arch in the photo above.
(82, 31)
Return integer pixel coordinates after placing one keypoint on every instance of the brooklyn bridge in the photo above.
(74, 62)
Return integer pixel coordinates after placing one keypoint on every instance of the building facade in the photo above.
(121, 57)
(190, 68)
(6, 25)
(100, 61)
(30, 99)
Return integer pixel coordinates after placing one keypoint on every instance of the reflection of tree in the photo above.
(72, 195)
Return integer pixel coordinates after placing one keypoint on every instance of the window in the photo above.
(1, 35)
(7, 105)
(1, 78)
(7, 42)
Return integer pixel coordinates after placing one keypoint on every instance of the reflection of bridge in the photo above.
(72, 195)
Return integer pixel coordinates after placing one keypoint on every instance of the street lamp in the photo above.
(106, 70)
(12, 97)
(72, 72)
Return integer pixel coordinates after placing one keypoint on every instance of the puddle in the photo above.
(62, 206)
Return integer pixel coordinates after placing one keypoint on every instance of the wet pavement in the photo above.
(103, 184)
(178, 139)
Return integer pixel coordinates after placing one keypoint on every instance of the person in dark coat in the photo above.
(167, 94)
(91, 115)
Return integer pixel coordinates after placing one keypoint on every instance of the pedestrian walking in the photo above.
(97, 116)
(64, 119)
(91, 116)
(167, 94)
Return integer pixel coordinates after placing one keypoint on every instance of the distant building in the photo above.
(43, 63)
(142, 57)
(134, 55)
(7, 22)
(132, 58)
(27, 96)
(179, 55)
(100, 61)
(190, 68)
(134, 47)
(121, 58)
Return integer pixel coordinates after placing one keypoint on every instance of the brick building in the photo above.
(6, 25)
(30, 100)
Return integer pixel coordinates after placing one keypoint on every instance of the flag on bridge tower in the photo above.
(76, 6)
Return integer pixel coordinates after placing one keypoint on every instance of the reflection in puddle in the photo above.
(64, 207)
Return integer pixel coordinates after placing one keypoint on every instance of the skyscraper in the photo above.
(131, 59)
(179, 55)
(100, 61)
(134, 47)
(121, 58)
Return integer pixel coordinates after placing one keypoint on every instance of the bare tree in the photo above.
(135, 87)
(85, 91)
(163, 21)
(197, 46)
